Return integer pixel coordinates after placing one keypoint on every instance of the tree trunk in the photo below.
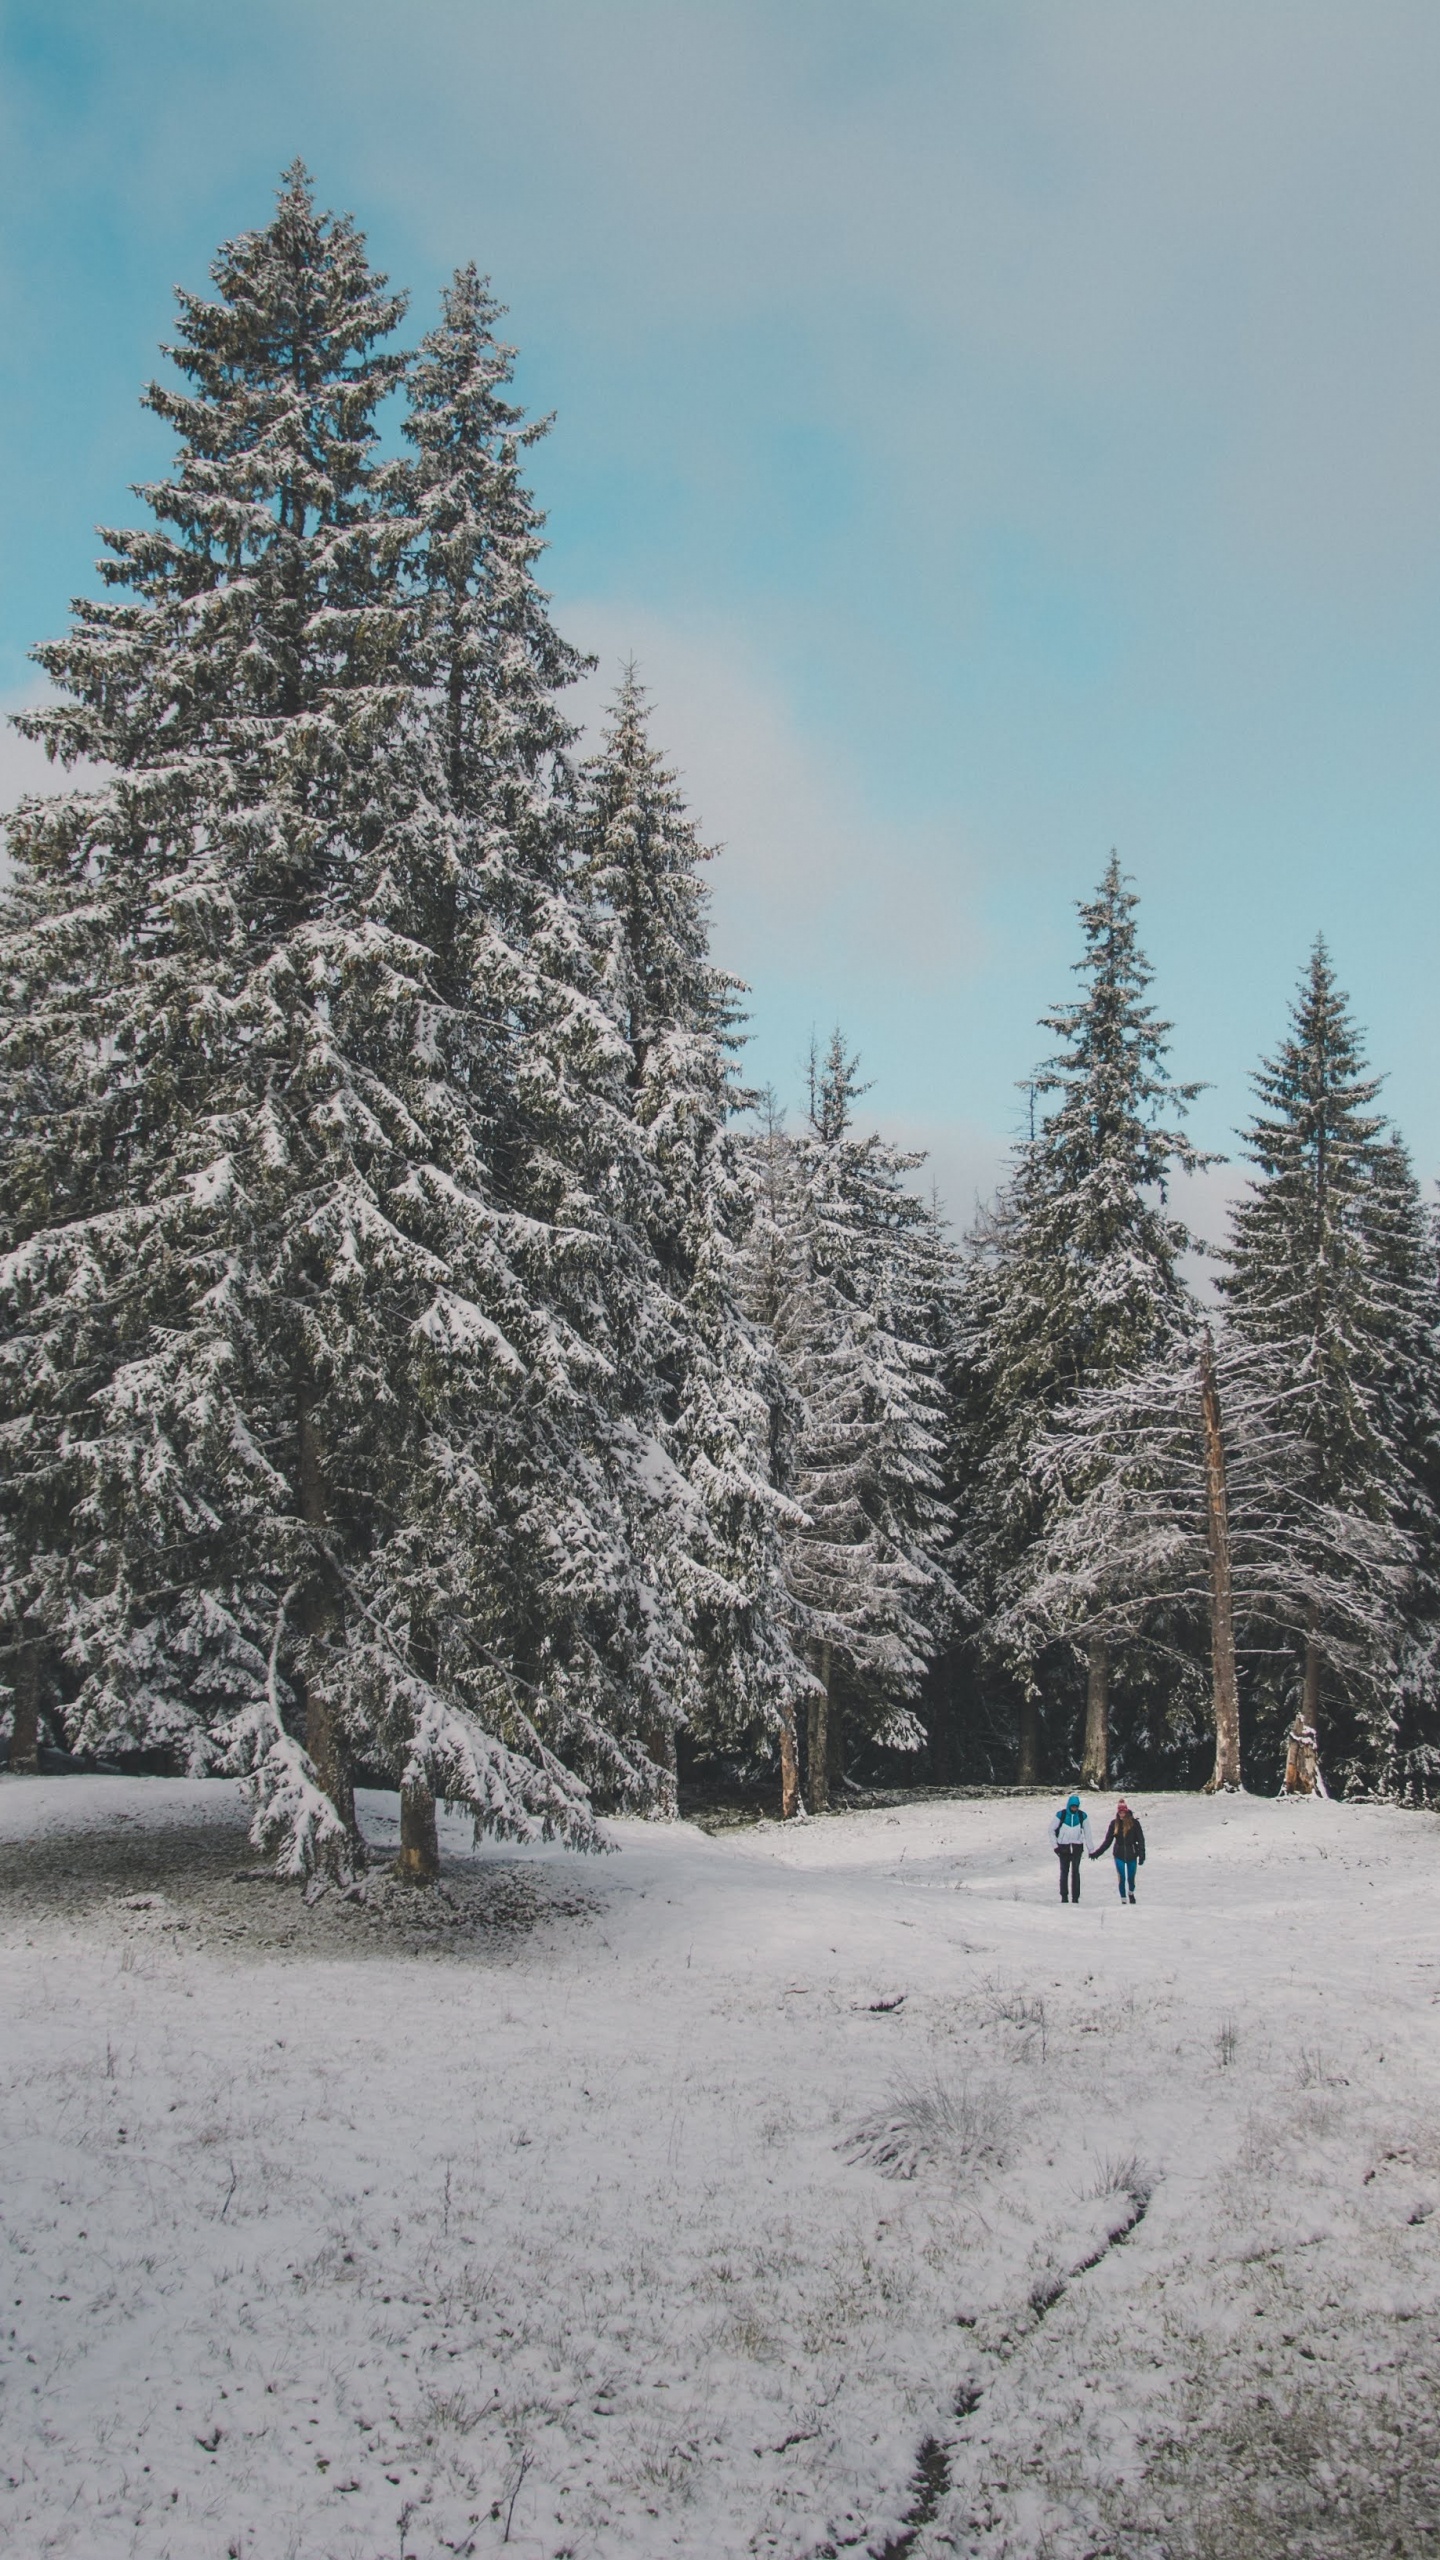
(317, 1613)
(819, 1739)
(1028, 1772)
(1224, 1681)
(419, 1859)
(329, 1757)
(25, 1724)
(790, 1804)
(661, 1747)
(1310, 1697)
(1095, 1766)
(1302, 1755)
(1302, 1761)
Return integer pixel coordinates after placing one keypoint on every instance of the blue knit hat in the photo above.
(1074, 1799)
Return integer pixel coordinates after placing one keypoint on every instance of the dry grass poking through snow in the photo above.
(791, 2193)
(934, 2123)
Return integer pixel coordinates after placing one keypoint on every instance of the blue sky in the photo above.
(1001, 432)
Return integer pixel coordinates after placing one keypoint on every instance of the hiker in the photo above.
(1070, 1838)
(1128, 1842)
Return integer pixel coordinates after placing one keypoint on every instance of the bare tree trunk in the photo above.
(1028, 1772)
(1302, 1752)
(790, 1805)
(419, 1859)
(329, 1757)
(819, 1739)
(25, 1711)
(1095, 1766)
(317, 1612)
(1302, 1761)
(661, 1746)
(833, 1771)
(1224, 1680)
(1310, 1696)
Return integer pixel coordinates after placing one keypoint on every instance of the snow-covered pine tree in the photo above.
(1409, 1406)
(1073, 1283)
(563, 1601)
(170, 958)
(1180, 1523)
(261, 1309)
(845, 1275)
(779, 1298)
(1327, 1274)
(710, 1388)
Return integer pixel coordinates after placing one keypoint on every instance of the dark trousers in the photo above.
(1069, 1867)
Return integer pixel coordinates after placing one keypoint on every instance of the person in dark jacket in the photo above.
(1070, 1838)
(1127, 1842)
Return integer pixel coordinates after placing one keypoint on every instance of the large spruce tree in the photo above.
(846, 1269)
(707, 1393)
(309, 1299)
(561, 1602)
(1329, 1277)
(1073, 1283)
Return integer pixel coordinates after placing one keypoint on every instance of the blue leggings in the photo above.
(1125, 1878)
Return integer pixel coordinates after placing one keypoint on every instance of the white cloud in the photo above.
(965, 1162)
(812, 881)
(1055, 264)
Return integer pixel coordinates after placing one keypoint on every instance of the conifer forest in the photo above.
(427, 1363)
(567, 1623)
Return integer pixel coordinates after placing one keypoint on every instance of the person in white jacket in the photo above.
(1070, 1840)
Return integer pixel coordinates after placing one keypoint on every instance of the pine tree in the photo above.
(171, 966)
(845, 1271)
(776, 1297)
(564, 1592)
(1180, 1523)
(709, 1386)
(1073, 1282)
(1328, 1276)
(295, 1390)
(1409, 1412)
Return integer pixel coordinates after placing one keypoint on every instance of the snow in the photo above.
(453, 1323)
(213, 1183)
(333, 2235)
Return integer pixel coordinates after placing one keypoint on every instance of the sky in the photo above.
(1000, 432)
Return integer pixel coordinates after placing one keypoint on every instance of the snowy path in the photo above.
(326, 2238)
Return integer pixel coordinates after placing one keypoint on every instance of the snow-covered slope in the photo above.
(576, 2217)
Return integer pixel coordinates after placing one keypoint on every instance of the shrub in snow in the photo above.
(933, 2123)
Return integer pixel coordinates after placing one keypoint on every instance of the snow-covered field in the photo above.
(573, 2225)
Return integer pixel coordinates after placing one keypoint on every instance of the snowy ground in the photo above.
(573, 2225)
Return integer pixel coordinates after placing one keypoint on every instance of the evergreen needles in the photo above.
(411, 1366)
